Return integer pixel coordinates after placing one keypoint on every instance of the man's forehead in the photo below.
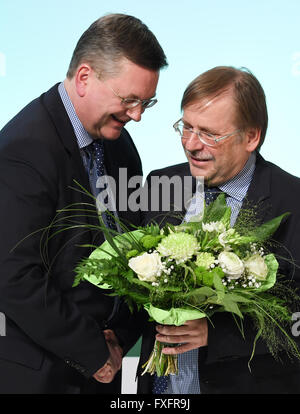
(210, 101)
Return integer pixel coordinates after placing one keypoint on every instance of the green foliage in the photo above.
(149, 241)
(132, 253)
(217, 210)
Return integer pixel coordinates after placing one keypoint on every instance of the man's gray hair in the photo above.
(114, 37)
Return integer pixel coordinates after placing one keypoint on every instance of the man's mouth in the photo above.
(198, 157)
(120, 121)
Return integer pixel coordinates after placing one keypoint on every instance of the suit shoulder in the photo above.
(282, 177)
(281, 186)
(181, 169)
(30, 139)
(31, 125)
(22, 118)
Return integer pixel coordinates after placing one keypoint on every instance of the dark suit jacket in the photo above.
(51, 326)
(223, 363)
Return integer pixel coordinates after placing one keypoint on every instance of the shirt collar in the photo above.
(83, 138)
(237, 186)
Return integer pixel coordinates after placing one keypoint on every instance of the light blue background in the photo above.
(37, 39)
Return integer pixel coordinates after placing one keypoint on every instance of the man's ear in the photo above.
(82, 76)
(253, 138)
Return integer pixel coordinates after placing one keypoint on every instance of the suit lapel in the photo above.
(54, 106)
(259, 192)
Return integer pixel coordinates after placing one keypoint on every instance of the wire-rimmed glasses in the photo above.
(134, 102)
(205, 137)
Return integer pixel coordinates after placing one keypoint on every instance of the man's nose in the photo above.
(136, 112)
(193, 142)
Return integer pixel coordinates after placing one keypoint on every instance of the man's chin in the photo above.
(198, 172)
(111, 134)
(208, 179)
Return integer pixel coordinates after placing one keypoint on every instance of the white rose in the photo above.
(147, 266)
(256, 266)
(231, 264)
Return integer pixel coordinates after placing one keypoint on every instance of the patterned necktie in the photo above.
(160, 384)
(211, 193)
(97, 151)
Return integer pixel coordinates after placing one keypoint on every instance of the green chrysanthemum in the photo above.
(178, 246)
(205, 260)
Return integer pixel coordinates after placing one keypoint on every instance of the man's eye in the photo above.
(129, 100)
(207, 135)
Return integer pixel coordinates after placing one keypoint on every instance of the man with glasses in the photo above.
(61, 339)
(222, 128)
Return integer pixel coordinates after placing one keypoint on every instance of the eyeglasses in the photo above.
(205, 137)
(134, 102)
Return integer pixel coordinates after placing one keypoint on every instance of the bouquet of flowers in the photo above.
(191, 271)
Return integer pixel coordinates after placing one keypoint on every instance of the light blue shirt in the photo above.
(187, 380)
(84, 140)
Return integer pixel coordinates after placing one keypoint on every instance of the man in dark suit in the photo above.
(60, 339)
(223, 126)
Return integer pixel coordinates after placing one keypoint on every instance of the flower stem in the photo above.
(159, 363)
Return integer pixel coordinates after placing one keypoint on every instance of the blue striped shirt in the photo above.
(84, 140)
(187, 380)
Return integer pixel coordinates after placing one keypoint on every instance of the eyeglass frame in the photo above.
(135, 102)
(216, 140)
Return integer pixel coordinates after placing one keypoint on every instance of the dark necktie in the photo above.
(98, 155)
(211, 193)
(97, 151)
(160, 384)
